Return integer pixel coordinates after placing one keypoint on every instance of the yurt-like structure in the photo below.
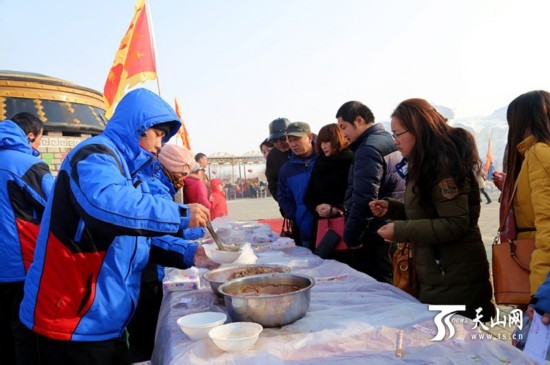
(71, 113)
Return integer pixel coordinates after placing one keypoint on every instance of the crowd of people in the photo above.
(421, 183)
(83, 255)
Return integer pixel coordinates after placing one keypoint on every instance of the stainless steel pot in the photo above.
(218, 277)
(268, 310)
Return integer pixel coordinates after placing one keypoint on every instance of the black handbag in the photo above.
(327, 244)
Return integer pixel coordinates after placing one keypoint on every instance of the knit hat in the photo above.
(175, 158)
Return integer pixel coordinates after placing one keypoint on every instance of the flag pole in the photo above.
(152, 38)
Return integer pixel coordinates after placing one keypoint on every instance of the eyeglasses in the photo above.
(397, 135)
(281, 139)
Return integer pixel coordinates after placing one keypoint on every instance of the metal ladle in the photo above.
(219, 241)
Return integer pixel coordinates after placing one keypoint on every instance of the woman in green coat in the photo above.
(441, 209)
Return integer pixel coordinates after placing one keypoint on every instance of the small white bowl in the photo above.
(220, 257)
(236, 336)
(197, 325)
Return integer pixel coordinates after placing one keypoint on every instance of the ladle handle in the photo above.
(215, 236)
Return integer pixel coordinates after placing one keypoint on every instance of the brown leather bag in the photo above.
(511, 271)
(511, 260)
(404, 269)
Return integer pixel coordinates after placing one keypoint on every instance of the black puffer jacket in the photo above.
(329, 180)
(372, 176)
(275, 159)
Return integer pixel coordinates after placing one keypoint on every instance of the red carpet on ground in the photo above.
(275, 224)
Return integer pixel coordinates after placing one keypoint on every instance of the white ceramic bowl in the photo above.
(220, 257)
(197, 325)
(236, 336)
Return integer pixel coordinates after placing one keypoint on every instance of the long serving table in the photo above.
(352, 319)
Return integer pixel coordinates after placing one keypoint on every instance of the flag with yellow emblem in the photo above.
(134, 61)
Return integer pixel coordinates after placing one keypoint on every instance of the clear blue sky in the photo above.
(235, 65)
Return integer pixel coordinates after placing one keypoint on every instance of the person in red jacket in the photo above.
(219, 204)
(194, 190)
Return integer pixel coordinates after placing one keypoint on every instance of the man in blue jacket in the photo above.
(373, 175)
(26, 182)
(83, 285)
(294, 179)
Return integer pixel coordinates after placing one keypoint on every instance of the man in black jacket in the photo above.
(372, 175)
(278, 155)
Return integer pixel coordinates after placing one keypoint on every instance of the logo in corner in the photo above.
(443, 319)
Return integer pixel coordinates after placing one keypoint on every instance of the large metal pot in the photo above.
(218, 277)
(273, 310)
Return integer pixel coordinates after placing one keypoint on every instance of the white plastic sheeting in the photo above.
(352, 319)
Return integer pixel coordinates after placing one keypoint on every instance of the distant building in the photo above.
(228, 167)
(71, 113)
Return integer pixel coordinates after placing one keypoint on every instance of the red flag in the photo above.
(134, 61)
(182, 133)
(489, 158)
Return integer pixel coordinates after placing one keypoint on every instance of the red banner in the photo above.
(134, 61)
(182, 133)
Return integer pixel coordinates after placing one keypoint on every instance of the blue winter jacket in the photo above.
(26, 182)
(291, 189)
(542, 297)
(84, 282)
(162, 248)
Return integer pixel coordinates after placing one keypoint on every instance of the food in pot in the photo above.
(247, 271)
(266, 289)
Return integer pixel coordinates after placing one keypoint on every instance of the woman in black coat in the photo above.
(329, 177)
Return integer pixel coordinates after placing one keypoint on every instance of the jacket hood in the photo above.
(12, 137)
(138, 111)
(214, 184)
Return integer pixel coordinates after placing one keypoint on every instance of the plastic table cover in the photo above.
(352, 319)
